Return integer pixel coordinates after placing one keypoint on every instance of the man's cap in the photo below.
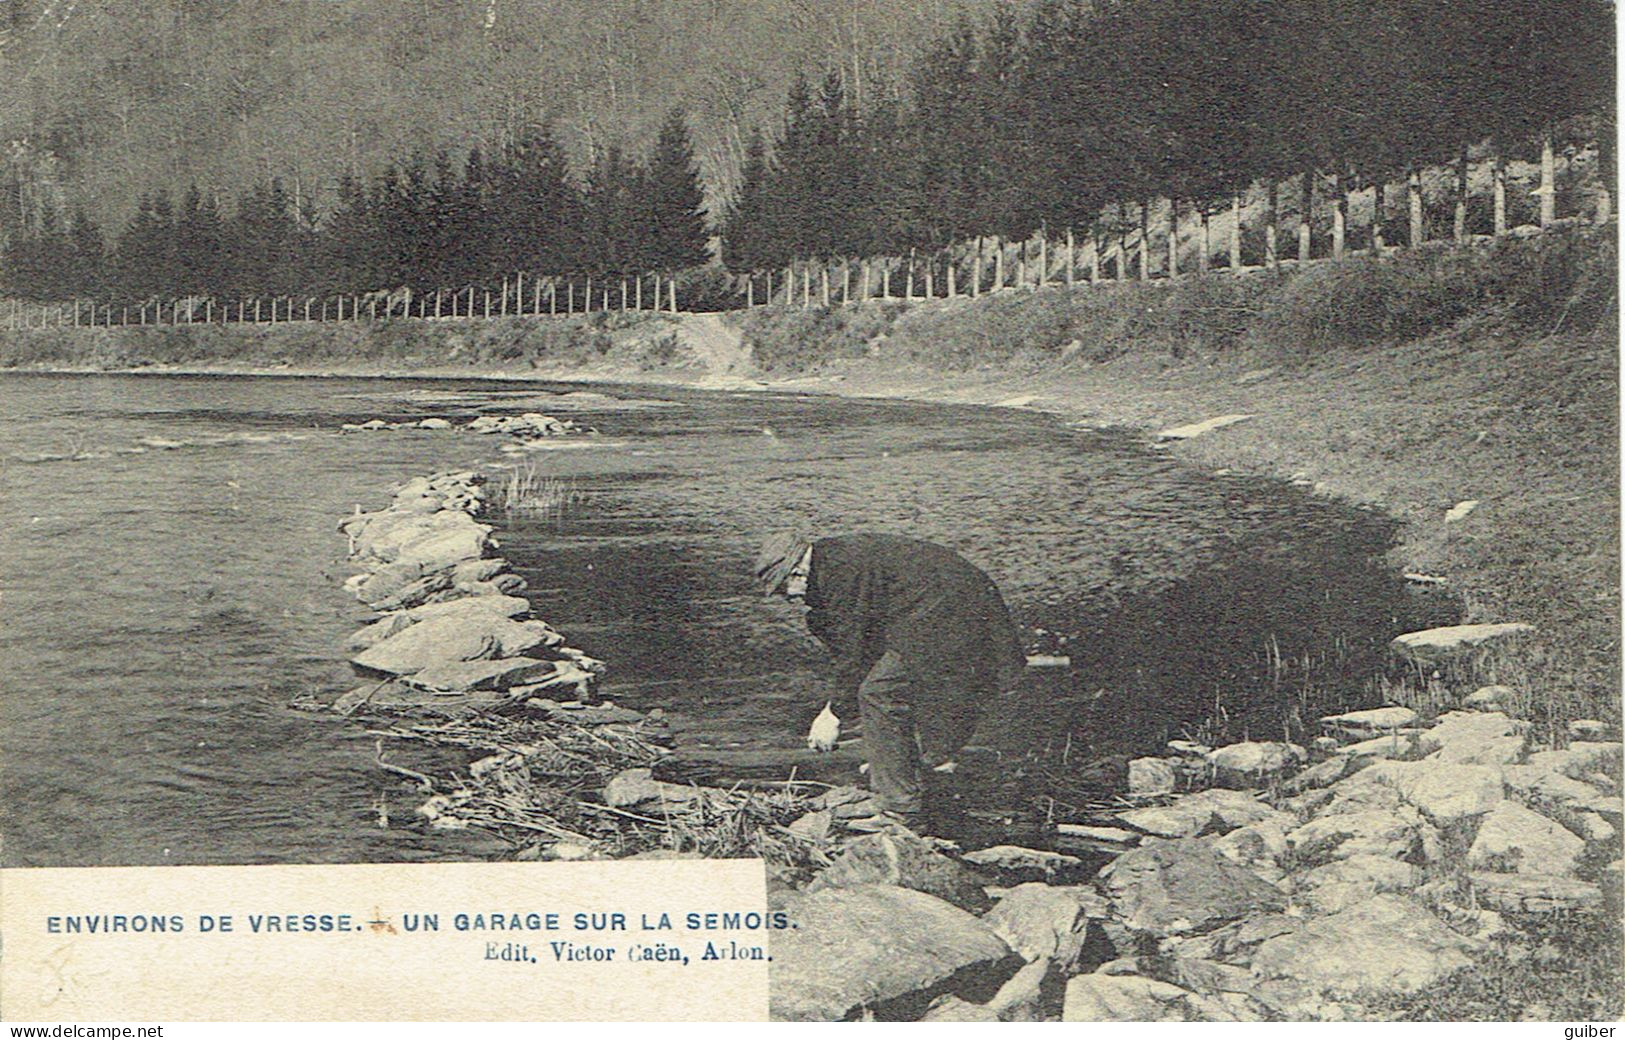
(779, 556)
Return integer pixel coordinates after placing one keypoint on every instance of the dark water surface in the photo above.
(170, 573)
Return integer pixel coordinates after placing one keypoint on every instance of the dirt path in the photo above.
(717, 345)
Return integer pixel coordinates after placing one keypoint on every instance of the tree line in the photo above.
(1085, 110)
(422, 223)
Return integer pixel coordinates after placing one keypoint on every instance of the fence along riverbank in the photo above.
(1156, 238)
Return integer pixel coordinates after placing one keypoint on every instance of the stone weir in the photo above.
(1259, 881)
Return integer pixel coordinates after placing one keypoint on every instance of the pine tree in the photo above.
(676, 215)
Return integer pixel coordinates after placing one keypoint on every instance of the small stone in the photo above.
(1513, 837)
(949, 1008)
(1489, 698)
(632, 787)
(1588, 729)
(434, 424)
(1021, 863)
(1150, 776)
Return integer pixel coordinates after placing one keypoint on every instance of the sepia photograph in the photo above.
(810, 510)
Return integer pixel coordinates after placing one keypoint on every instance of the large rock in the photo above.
(1535, 782)
(1215, 810)
(1123, 998)
(442, 549)
(1445, 791)
(1533, 893)
(1514, 838)
(1370, 723)
(1043, 922)
(949, 1008)
(1337, 886)
(503, 673)
(1436, 645)
(1386, 944)
(377, 632)
(909, 862)
(1177, 887)
(1486, 738)
(458, 638)
(1376, 832)
(880, 948)
(1150, 776)
(1582, 760)
(387, 580)
(413, 594)
(502, 606)
(1255, 760)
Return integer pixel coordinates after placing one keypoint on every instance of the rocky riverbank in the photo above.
(1403, 864)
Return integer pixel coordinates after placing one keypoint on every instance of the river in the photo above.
(170, 571)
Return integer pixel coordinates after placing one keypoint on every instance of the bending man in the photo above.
(919, 634)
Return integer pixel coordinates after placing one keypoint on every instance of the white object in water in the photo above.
(825, 731)
(1460, 510)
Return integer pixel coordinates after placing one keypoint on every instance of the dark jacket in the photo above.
(869, 593)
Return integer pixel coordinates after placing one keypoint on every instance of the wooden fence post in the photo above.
(1306, 213)
(863, 287)
(976, 272)
(1173, 237)
(750, 290)
(536, 294)
(1272, 224)
(930, 274)
(1548, 179)
(503, 306)
(1122, 251)
(908, 278)
(586, 297)
(605, 307)
(1378, 193)
(823, 291)
(256, 310)
(1021, 265)
(307, 307)
(1094, 254)
(998, 262)
(553, 296)
(671, 285)
(1145, 240)
(1043, 259)
(355, 305)
(806, 288)
(846, 282)
(1413, 189)
(1459, 224)
(1204, 239)
(1071, 258)
(1339, 216)
(1235, 233)
(1498, 191)
(885, 282)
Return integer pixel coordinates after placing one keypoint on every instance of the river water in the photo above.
(170, 570)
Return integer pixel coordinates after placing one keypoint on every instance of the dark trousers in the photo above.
(908, 727)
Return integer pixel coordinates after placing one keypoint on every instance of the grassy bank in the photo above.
(623, 342)
(1413, 384)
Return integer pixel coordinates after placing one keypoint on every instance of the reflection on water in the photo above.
(160, 607)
